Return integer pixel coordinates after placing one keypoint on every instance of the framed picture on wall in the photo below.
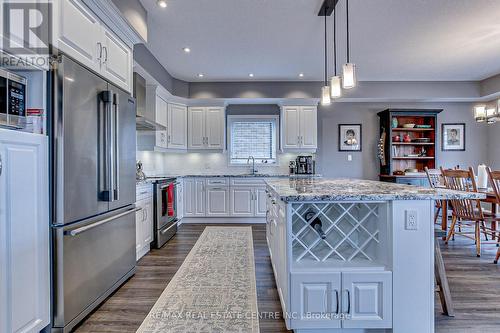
(453, 137)
(350, 137)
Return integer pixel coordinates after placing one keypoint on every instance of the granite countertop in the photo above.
(330, 189)
(151, 179)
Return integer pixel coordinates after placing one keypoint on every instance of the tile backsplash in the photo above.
(156, 163)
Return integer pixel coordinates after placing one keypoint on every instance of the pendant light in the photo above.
(349, 69)
(335, 82)
(325, 90)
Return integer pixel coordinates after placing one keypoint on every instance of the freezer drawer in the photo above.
(163, 235)
(91, 259)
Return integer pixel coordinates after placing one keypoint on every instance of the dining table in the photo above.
(491, 198)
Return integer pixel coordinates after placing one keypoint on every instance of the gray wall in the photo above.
(148, 61)
(135, 14)
(332, 163)
(494, 145)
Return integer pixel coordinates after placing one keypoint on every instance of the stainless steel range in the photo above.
(165, 210)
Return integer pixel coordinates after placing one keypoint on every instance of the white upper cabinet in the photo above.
(206, 128)
(78, 33)
(177, 126)
(300, 127)
(75, 29)
(24, 232)
(116, 63)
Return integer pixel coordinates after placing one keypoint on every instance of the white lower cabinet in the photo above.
(143, 220)
(260, 201)
(24, 232)
(242, 203)
(217, 201)
(342, 299)
(180, 199)
(194, 197)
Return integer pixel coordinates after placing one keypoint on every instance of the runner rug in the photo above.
(214, 289)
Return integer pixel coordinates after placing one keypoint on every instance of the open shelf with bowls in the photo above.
(408, 144)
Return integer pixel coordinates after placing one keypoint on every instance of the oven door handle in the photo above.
(78, 231)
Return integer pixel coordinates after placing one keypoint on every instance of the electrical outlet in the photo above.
(349, 157)
(411, 221)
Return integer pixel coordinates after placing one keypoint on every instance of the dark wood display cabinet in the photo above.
(408, 144)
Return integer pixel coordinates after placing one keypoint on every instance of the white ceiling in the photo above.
(391, 40)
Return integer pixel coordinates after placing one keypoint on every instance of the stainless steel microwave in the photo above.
(12, 99)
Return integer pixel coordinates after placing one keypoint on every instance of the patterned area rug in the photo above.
(214, 290)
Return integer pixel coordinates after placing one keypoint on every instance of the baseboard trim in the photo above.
(218, 220)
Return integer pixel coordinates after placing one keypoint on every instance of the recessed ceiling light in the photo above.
(251, 74)
(201, 75)
(162, 3)
(301, 74)
(186, 49)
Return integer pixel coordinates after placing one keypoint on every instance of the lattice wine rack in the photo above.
(350, 232)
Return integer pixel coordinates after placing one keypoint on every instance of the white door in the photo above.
(308, 127)
(260, 201)
(189, 197)
(368, 299)
(177, 126)
(196, 128)
(315, 299)
(180, 198)
(139, 222)
(291, 132)
(200, 194)
(147, 231)
(24, 232)
(214, 128)
(77, 32)
(242, 203)
(161, 118)
(217, 201)
(117, 61)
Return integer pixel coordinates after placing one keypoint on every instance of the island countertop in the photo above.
(333, 189)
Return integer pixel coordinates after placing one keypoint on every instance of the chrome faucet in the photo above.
(253, 164)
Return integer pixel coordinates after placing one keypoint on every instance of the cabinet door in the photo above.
(217, 201)
(24, 232)
(242, 203)
(308, 127)
(314, 299)
(291, 128)
(147, 232)
(116, 61)
(161, 110)
(177, 126)
(196, 128)
(77, 32)
(199, 208)
(214, 128)
(139, 221)
(189, 197)
(260, 202)
(370, 298)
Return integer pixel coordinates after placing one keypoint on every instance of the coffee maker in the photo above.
(305, 165)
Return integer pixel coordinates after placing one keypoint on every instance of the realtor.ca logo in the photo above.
(26, 30)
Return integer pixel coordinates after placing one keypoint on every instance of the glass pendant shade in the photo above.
(335, 87)
(349, 76)
(480, 113)
(325, 95)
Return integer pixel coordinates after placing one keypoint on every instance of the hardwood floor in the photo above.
(474, 282)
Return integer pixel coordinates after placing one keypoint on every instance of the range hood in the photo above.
(143, 123)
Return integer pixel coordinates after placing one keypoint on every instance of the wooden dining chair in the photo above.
(494, 177)
(435, 180)
(468, 211)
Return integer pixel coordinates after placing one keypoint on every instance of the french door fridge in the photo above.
(93, 191)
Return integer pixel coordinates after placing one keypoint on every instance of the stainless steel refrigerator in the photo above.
(93, 191)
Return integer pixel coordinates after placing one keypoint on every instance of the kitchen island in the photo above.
(353, 256)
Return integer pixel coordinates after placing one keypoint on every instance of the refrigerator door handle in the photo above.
(78, 231)
(116, 147)
(107, 156)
